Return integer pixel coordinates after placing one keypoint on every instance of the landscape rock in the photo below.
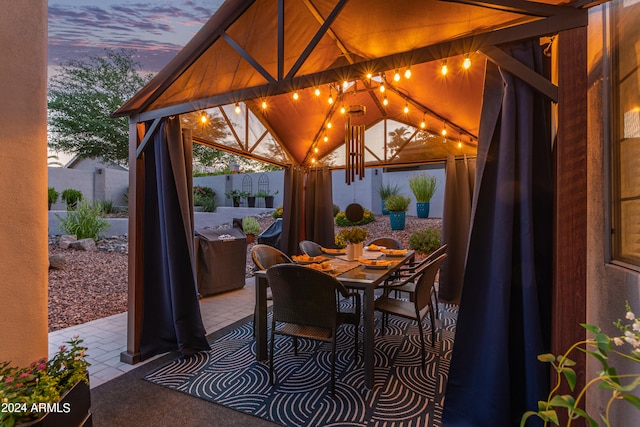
(65, 240)
(57, 261)
(84, 245)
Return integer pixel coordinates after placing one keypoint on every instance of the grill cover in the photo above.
(221, 259)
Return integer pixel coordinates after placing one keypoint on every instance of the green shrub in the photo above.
(52, 195)
(205, 197)
(425, 241)
(342, 221)
(387, 190)
(336, 210)
(71, 197)
(423, 186)
(397, 203)
(105, 206)
(250, 225)
(278, 212)
(84, 222)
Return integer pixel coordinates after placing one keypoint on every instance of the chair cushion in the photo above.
(397, 307)
(303, 331)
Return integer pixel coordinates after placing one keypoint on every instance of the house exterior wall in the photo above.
(608, 285)
(95, 183)
(23, 182)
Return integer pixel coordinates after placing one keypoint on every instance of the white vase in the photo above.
(354, 251)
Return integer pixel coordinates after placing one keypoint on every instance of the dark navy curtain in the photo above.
(319, 208)
(292, 216)
(171, 312)
(504, 317)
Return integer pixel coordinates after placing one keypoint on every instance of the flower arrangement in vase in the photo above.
(353, 238)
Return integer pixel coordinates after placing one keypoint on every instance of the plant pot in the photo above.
(251, 201)
(384, 211)
(268, 202)
(49, 205)
(73, 410)
(423, 209)
(397, 220)
(236, 203)
(251, 238)
(354, 251)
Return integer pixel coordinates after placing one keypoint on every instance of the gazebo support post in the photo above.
(136, 266)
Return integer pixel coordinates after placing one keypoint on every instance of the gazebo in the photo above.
(314, 84)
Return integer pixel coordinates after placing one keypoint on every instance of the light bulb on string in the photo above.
(369, 76)
(466, 64)
(329, 125)
(345, 84)
(315, 150)
(238, 110)
(407, 73)
(406, 108)
(313, 160)
(203, 118)
(382, 88)
(385, 101)
(264, 105)
(396, 76)
(444, 129)
(444, 69)
(326, 138)
(330, 100)
(459, 144)
(343, 110)
(295, 96)
(317, 92)
(423, 124)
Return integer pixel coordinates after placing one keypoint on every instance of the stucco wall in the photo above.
(94, 183)
(23, 181)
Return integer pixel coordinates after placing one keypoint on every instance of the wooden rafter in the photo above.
(247, 57)
(232, 128)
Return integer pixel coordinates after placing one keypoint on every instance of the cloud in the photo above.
(157, 30)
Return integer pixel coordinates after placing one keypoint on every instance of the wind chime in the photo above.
(354, 143)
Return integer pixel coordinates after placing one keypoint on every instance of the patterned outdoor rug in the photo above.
(404, 394)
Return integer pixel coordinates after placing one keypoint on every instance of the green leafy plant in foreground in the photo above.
(205, 197)
(621, 386)
(52, 195)
(250, 225)
(84, 222)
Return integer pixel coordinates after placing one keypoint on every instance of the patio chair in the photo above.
(421, 304)
(265, 256)
(310, 248)
(410, 287)
(387, 242)
(306, 304)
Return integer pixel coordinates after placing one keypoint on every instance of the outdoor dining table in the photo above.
(357, 277)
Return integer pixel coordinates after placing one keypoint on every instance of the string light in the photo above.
(444, 69)
(423, 124)
(382, 88)
(295, 96)
(467, 62)
(396, 76)
(329, 125)
(315, 150)
(343, 110)
(330, 100)
(326, 138)
(345, 84)
(406, 108)
(313, 160)
(264, 105)
(203, 118)
(385, 101)
(459, 144)
(444, 129)
(407, 73)
(237, 109)
(317, 92)
(369, 76)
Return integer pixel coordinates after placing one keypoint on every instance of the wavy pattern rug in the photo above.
(404, 394)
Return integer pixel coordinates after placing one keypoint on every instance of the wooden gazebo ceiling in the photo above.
(265, 50)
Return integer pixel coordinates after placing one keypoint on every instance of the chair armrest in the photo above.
(411, 278)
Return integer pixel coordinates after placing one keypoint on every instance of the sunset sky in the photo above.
(157, 29)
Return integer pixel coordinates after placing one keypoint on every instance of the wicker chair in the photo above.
(421, 304)
(265, 256)
(310, 248)
(387, 242)
(306, 304)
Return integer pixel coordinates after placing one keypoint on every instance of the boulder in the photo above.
(57, 261)
(84, 245)
(66, 240)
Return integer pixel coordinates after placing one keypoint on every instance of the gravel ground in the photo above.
(92, 285)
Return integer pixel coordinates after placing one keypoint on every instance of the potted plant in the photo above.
(52, 196)
(62, 382)
(251, 200)
(71, 197)
(251, 228)
(204, 199)
(268, 198)
(397, 206)
(423, 187)
(606, 350)
(353, 238)
(385, 191)
(235, 196)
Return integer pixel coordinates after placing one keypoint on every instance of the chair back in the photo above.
(303, 296)
(265, 256)
(387, 242)
(310, 248)
(425, 282)
(435, 254)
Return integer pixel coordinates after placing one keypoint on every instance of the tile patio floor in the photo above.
(106, 338)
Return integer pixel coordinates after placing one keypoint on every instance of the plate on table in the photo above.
(331, 251)
(375, 263)
(394, 252)
(306, 259)
(375, 248)
(325, 267)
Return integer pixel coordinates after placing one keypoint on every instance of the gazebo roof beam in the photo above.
(521, 7)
